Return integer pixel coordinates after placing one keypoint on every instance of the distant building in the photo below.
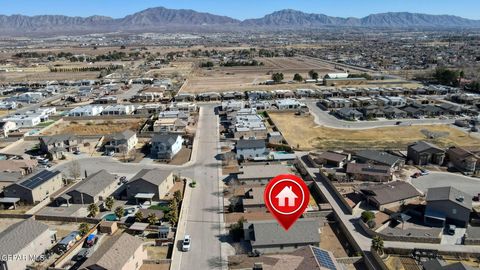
(36, 188)
(6, 127)
(88, 110)
(151, 181)
(21, 243)
(424, 153)
(166, 146)
(447, 205)
(269, 237)
(169, 125)
(96, 187)
(119, 252)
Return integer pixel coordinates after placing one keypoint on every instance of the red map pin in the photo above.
(286, 197)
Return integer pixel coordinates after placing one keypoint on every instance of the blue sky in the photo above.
(241, 9)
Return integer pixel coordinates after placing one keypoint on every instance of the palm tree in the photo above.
(92, 210)
(152, 219)
(139, 216)
(109, 202)
(83, 228)
(377, 244)
(119, 212)
(177, 195)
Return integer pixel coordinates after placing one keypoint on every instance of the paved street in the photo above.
(322, 118)
(204, 219)
(464, 183)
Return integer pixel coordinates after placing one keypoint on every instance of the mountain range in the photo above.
(162, 19)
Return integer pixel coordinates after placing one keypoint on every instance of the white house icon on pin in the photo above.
(286, 194)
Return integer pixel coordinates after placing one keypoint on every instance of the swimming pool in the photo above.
(113, 217)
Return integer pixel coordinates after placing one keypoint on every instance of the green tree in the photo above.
(83, 228)
(313, 74)
(152, 219)
(297, 77)
(446, 76)
(119, 212)
(377, 244)
(277, 77)
(109, 203)
(177, 195)
(236, 230)
(367, 216)
(172, 215)
(139, 216)
(92, 210)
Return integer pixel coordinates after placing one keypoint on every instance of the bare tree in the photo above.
(75, 169)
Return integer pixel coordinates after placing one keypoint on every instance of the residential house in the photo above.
(56, 145)
(447, 205)
(437, 264)
(330, 159)
(424, 153)
(169, 125)
(174, 114)
(22, 166)
(390, 196)
(21, 243)
(151, 181)
(393, 112)
(252, 200)
(270, 237)
(380, 158)
(6, 127)
(88, 110)
(249, 149)
(166, 146)
(119, 252)
(261, 173)
(24, 121)
(275, 137)
(122, 142)
(36, 188)
(463, 160)
(118, 110)
(349, 114)
(96, 187)
(369, 172)
(287, 104)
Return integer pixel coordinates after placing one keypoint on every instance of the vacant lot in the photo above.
(94, 127)
(303, 133)
(249, 78)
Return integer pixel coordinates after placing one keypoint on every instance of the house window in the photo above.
(454, 211)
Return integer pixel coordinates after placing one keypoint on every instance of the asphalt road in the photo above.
(322, 118)
(204, 219)
(464, 183)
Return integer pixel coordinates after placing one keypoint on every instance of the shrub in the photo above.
(367, 216)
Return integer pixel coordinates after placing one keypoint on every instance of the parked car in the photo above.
(424, 172)
(76, 152)
(451, 229)
(81, 255)
(186, 243)
(416, 175)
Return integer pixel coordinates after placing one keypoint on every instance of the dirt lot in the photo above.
(248, 78)
(330, 241)
(398, 137)
(97, 127)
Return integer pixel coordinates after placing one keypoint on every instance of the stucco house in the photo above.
(26, 241)
(119, 252)
(96, 187)
(151, 181)
(36, 188)
(249, 149)
(166, 146)
(121, 142)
